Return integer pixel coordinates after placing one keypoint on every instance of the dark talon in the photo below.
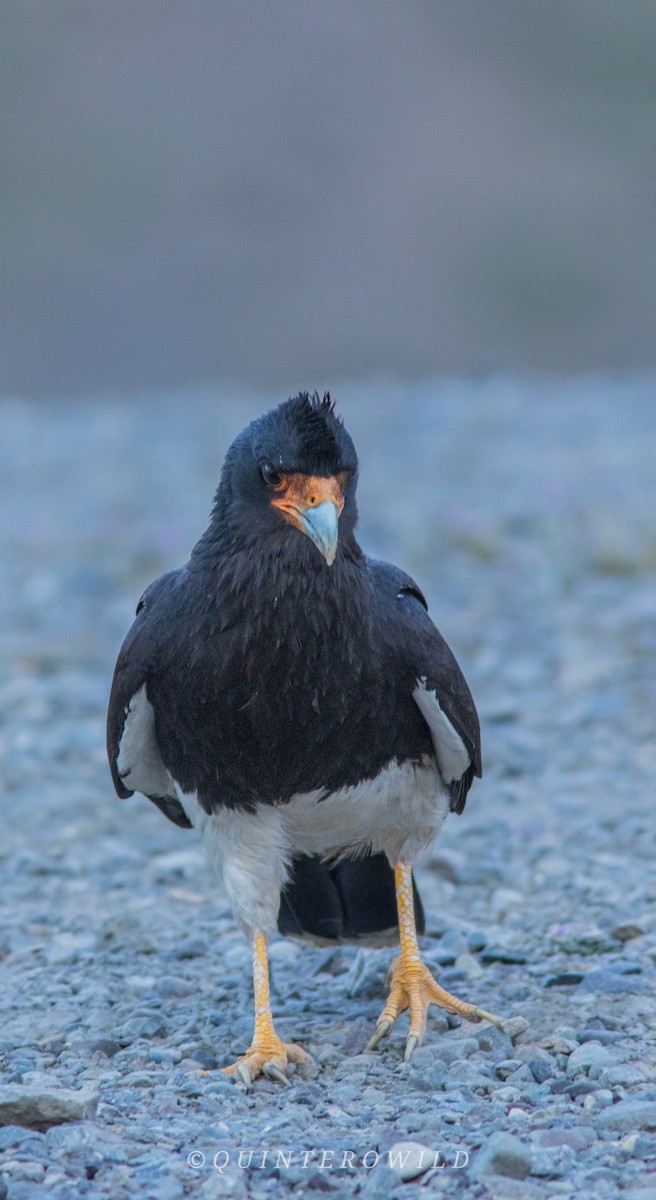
(243, 1075)
(411, 1046)
(381, 1031)
(273, 1071)
(481, 1015)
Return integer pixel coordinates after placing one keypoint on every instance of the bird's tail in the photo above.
(349, 901)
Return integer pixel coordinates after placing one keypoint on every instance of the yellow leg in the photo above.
(412, 985)
(267, 1053)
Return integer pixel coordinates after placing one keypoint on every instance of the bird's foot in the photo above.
(266, 1056)
(413, 987)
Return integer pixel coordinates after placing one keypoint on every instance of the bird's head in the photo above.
(292, 473)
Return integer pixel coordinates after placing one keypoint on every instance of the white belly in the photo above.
(398, 813)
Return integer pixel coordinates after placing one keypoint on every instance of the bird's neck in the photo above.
(281, 582)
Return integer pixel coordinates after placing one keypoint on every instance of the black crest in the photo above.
(318, 429)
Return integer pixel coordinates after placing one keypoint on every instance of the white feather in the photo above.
(450, 750)
(139, 762)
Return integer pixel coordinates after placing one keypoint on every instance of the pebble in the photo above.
(40, 1108)
(625, 1075)
(554, 1163)
(503, 1154)
(540, 1070)
(515, 1027)
(577, 1137)
(628, 1115)
(605, 1036)
(627, 930)
(606, 981)
(564, 979)
(408, 1160)
(503, 954)
(589, 1057)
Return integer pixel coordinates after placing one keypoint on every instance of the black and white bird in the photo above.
(291, 699)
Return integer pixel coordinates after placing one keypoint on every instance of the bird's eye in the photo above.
(270, 475)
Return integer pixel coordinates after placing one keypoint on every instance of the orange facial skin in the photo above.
(297, 493)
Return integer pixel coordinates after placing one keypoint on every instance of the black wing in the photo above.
(438, 685)
(134, 756)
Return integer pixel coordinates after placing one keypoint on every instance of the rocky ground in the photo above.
(528, 513)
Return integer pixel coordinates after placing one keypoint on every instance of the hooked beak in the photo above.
(321, 525)
(313, 504)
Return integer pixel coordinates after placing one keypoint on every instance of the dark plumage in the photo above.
(280, 667)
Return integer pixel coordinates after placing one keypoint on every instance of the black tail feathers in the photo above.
(351, 900)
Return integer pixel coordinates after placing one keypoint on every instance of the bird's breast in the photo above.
(295, 697)
(398, 811)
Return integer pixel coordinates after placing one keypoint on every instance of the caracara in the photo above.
(291, 699)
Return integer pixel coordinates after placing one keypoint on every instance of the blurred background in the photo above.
(296, 193)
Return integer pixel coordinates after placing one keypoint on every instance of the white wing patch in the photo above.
(139, 762)
(450, 750)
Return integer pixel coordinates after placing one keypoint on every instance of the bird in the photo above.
(290, 698)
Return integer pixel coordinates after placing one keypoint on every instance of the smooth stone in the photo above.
(506, 1067)
(408, 1160)
(39, 1108)
(627, 930)
(528, 1052)
(586, 1056)
(606, 981)
(164, 1056)
(31, 1172)
(564, 979)
(105, 1046)
(624, 1075)
(378, 1184)
(522, 1074)
(14, 1135)
(503, 1154)
(503, 954)
(470, 965)
(586, 942)
(506, 1095)
(643, 1149)
(462, 1047)
(628, 1115)
(540, 1070)
(142, 1027)
(580, 1087)
(577, 1137)
(515, 1027)
(561, 1045)
(605, 1036)
(191, 948)
(490, 1038)
(554, 1162)
(604, 1175)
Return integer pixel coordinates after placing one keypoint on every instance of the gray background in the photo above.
(294, 193)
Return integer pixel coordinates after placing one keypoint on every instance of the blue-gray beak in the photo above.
(321, 524)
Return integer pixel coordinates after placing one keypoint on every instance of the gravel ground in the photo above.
(527, 512)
